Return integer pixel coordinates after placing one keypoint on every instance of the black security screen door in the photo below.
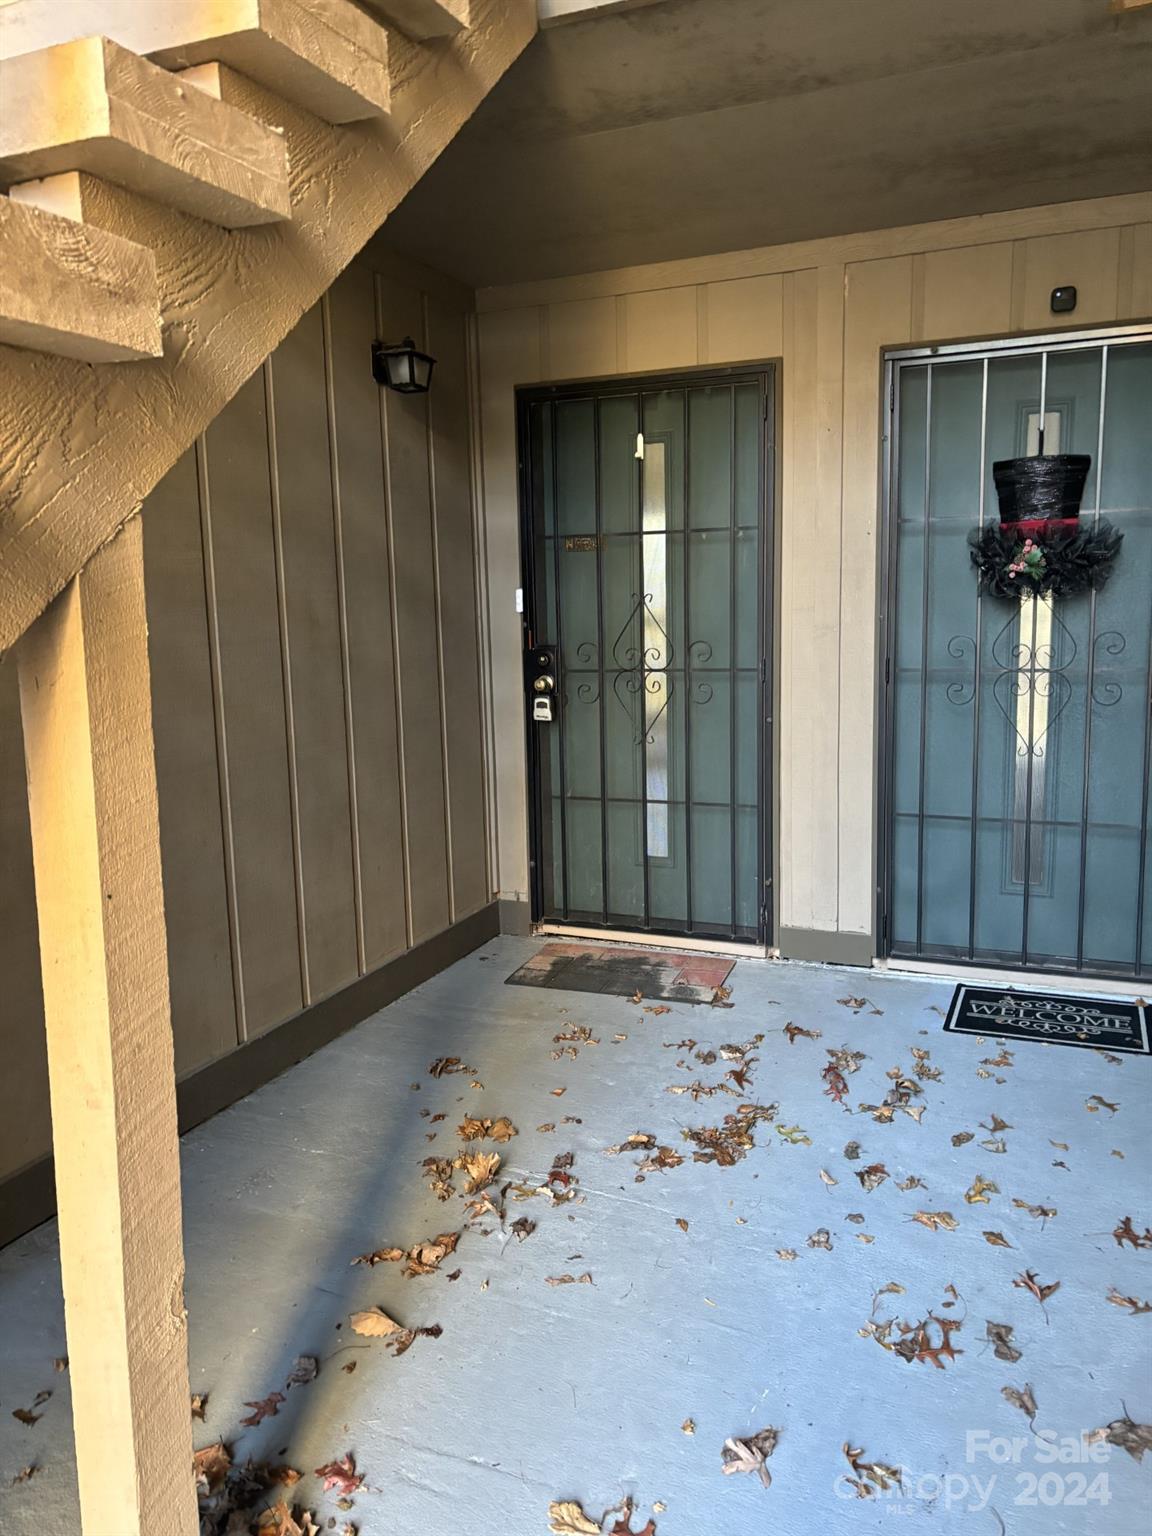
(1019, 734)
(646, 558)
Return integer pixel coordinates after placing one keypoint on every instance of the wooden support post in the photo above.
(87, 713)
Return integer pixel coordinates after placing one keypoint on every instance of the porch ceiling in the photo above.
(696, 126)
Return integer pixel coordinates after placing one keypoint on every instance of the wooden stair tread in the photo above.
(422, 19)
(92, 105)
(75, 291)
(327, 56)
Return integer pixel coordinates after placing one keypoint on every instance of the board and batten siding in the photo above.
(312, 605)
(826, 309)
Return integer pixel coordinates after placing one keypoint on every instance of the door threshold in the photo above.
(655, 941)
(1034, 981)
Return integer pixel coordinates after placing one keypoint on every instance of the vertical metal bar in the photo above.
(1141, 889)
(1030, 750)
(687, 701)
(762, 685)
(1033, 669)
(976, 660)
(647, 873)
(561, 731)
(893, 378)
(733, 674)
(1091, 681)
(600, 661)
(924, 613)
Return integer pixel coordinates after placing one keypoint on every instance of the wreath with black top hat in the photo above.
(1039, 547)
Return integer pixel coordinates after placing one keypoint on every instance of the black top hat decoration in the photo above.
(1039, 548)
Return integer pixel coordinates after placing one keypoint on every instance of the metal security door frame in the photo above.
(613, 385)
(895, 359)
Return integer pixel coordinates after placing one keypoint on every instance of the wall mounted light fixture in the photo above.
(401, 366)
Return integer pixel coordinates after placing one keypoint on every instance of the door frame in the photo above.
(893, 358)
(768, 373)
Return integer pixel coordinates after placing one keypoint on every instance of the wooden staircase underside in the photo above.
(157, 251)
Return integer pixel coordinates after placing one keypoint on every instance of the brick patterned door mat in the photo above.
(1053, 1017)
(658, 974)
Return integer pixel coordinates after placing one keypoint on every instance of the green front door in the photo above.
(647, 557)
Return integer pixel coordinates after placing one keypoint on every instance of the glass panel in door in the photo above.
(647, 552)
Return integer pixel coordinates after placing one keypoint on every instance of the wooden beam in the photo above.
(91, 105)
(421, 19)
(74, 291)
(87, 714)
(324, 55)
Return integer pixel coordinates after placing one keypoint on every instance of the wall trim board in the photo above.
(867, 245)
(826, 946)
(28, 1197)
(515, 917)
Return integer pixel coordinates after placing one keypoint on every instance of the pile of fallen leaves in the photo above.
(235, 1500)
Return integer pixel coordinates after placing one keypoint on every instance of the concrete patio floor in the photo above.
(535, 1393)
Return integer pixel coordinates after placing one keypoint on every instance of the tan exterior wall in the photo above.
(309, 566)
(826, 309)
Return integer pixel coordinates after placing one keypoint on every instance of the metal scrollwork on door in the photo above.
(642, 672)
(699, 655)
(1030, 682)
(588, 655)
(641, 678)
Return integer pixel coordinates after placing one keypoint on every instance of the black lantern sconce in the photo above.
(402, 367)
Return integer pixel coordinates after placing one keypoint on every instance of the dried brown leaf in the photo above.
(997, 1240)
(1028, 1281)
(870, 1475)
(1024, 1400)
(306, 1369)
(936, 1221)
(979, 1191)
(1125, 1232)
(480, 1168)
(443, 1066)
(568, 1519)
(341, 1475)
(1135, 1306)
(266, 1408)
(1000, 1337)
(210, 1466)
(750, 1454)
(1042, 1213)
(794, 1033)
(374, 1324)
(1127, 1434)
(872, 1176)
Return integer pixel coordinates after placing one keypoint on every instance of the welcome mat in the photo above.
(1055, 1017)
(622, 972)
